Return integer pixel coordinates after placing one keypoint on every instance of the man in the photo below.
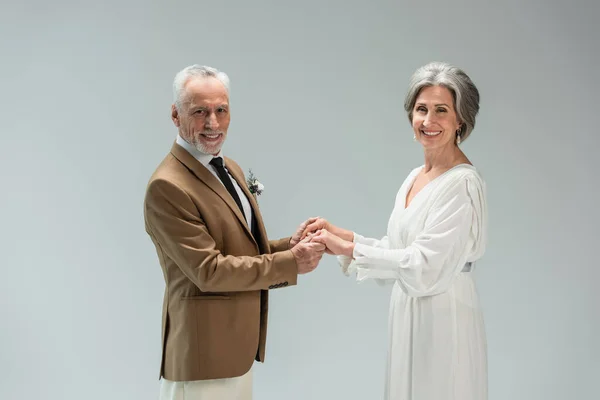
(217, 261)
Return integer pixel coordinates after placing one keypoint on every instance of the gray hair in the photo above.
(193, 71)
(464, 92)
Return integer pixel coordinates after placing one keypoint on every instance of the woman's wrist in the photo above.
(341, 233)
(349, 249)
(346, 235)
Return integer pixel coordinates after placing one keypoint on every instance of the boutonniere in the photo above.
(255, 187)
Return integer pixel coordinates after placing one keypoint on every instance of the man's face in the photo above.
(203, 118)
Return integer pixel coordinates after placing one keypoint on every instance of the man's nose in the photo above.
(211, 121)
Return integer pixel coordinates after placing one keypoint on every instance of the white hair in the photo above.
(193, 71)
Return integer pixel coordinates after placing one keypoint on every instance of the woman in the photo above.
(435, 234)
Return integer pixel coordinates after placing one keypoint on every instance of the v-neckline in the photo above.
(412, 183)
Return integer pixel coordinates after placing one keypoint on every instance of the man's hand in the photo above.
(298, 235)
(307, 255)
(335, 245)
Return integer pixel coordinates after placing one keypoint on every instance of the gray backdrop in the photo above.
(317, 114)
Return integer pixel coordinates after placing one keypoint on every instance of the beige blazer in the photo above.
(217, 276)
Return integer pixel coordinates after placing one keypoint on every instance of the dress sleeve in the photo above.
(345, 262)
(379, 243)
(428, 265)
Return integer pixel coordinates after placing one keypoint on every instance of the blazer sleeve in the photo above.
(279, 245)
(173, 222)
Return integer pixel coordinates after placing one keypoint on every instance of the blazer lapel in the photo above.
(256, 212)
(212, 182)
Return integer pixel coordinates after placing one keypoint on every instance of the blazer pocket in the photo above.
(207, 297)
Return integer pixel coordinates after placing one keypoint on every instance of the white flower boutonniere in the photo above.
(255, 187)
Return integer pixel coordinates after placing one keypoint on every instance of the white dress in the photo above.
(437, 342)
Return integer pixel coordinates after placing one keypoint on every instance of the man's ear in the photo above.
(175, 115)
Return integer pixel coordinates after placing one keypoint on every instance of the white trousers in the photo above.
(238, 388)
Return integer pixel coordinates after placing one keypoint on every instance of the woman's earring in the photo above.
(458, 132)
(414, 137)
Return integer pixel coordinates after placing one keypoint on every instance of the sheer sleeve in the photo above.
(345, 262)
(379, 243)
(438, 253)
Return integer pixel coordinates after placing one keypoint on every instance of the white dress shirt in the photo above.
(205, 160)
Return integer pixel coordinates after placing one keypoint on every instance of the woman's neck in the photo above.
(440, 160)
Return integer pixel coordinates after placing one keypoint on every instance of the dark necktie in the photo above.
(217, 162)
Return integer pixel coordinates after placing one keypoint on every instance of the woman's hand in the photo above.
(315, 224)
(335, 245)
(299, 235)
(318, 223)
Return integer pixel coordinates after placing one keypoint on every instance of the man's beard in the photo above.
(208, 148)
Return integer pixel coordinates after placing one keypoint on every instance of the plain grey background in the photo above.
(317, 92)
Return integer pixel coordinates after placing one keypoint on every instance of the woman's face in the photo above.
(434, 118)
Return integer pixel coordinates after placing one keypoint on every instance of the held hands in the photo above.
(300, 232)
(338, 241)
(315, 224)
(313, 238)
(335, 245)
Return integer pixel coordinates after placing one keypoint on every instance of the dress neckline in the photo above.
(428, 184)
